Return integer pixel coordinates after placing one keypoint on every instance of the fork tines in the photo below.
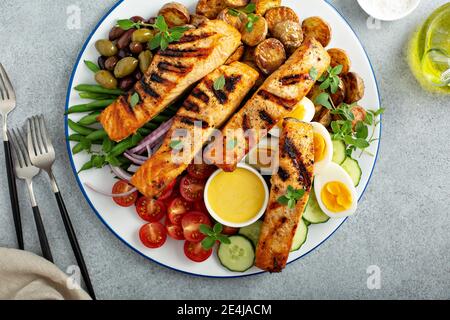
(19, 147)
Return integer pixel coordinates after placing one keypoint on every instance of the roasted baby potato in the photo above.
(317, 28)
(354, 87)
(197, 19)
(236, 3)
(340, 57)
(339, 96)
(289, 33)
(234, 21)
(237, 55)
(263, 5)
(360, 115)
(270, 55)
(324, 117)
(175, 14)
(276, 15)
(254, 36)
(249, 54)
(210, 8)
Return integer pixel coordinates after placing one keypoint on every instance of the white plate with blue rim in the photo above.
(125, 223)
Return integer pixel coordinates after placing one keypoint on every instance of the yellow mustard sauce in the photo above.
(236, 197)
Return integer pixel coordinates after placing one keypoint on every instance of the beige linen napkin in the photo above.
(26, 276)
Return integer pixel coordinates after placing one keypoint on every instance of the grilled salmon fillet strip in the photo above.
(283, 90)
(172, 71)
(296, 170)
(203, 111)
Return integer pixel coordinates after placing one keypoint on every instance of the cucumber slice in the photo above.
(313, 213)
(300, 236)
(339, 149)
(252, 232)
(351, 166)
(307, 222)
(239, 255)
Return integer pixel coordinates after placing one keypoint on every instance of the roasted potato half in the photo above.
(270, 55)
(249, 54)
(197, 19)
(339, 96)
(318, 28)
(234, 21)
(236, 3)
(360, 115)
(175, 14)
(263, 5)
(290, 34)
(254, 36)
(324, 117)
(340, 57)
(354, 87)
(280, 14)
(237, 55)
(210, 8)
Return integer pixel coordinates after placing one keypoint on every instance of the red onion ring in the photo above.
(106, 194)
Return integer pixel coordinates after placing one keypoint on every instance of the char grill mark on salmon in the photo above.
(273, 101)
(170, 74)
(281, 222)
(162, 168)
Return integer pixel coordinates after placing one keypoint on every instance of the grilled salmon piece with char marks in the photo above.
(172, 71)
(205, 106)
(283, 90)
(296, 170)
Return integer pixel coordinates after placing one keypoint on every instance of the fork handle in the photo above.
(45, 247)
(74, 243)
(13, 194)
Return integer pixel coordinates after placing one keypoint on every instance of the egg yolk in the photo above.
(336, 197)
(298, 113)
(319, 147)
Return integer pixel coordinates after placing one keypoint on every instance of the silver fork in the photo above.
(26, 171)
(42, 155)
(7, 104)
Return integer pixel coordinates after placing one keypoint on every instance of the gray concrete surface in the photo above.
(403, 226)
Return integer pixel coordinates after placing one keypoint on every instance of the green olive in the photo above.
(125, 67)
(145, 58)
(106, 79)
(106, 48)
(142, 35)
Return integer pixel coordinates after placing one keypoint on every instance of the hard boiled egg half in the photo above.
(335, 192)
(303, 111)
(323, 148)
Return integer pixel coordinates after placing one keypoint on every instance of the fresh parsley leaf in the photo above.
(126, 24)
(213, 235)
(362, 131)
(92, 66)
(161, 24)
(208, 243)
(176, 145)
(219, 83)
(252, 19)
(250, 8)
(134, 100)
(156, 41)
(324, 100)
(336, 70)
(291, 197)
(313, 73)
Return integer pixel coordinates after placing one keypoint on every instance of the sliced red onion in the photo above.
(133, 168)
(136, 156)
(106, 194)
(149, 151)
(153, 138)
(133, 159)
(122, 174)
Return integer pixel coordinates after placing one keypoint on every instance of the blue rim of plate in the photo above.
(80, 184)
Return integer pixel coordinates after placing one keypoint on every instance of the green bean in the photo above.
(98, 89)
(92, 106)
(76, 137)
(78, 148)
(160, 119)
(90, 118)
(80, 129)
(145, 131)
(87, 166)
(126, 144)
(97, 135)
(151, 126)
(96, 96)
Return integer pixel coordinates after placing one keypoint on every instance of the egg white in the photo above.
(333, 173)
(310, 111)
(320, 166)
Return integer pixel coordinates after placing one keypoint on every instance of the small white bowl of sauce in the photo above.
(389, 10)
(237, 199)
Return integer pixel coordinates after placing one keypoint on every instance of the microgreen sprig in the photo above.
(331, 79)
(219, 83)
(291, 197)
(162, 38)
(213, 235)
(249, 12)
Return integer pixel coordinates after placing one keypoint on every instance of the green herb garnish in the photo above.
(331, 79)
(291, 197)
(92, 66)
(248, 12)
(134, 100)
(313, 73)
(219, 83)
(213, 235)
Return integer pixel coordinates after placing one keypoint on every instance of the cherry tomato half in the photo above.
(195, 252)
(167, 193)
(192, 189)
(153, 235)
(229, 231)
(177, 209)
(201, 207)
(191, 223)
(174, 231)
(201, 171)
(150, 210)
(121, 187)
